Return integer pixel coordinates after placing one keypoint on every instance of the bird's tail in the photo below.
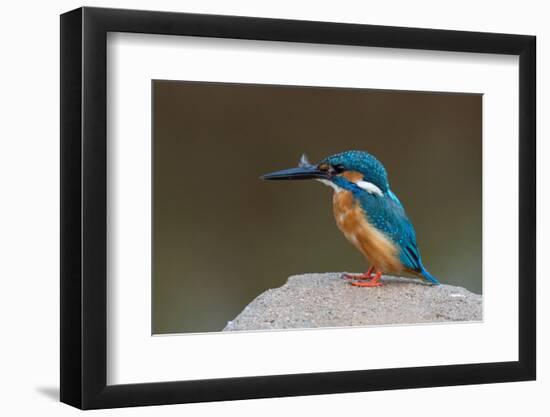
(429, 276)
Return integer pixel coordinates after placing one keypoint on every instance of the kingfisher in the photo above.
(367, 212)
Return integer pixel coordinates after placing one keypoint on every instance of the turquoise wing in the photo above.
(387, 214)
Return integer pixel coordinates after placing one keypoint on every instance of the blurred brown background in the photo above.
(221, 236)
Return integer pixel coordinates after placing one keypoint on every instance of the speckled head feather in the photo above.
(363, 162)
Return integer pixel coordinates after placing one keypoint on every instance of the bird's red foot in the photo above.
(364, 276)
(373, 282)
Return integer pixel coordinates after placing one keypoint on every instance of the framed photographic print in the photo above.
(258, 207)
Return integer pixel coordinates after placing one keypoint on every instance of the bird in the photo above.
(367, 212)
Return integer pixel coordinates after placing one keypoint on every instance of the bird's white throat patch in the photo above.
(369, 187)
(336, 188)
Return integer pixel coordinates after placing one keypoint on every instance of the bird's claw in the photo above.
(371, 281)
(349, 276)
(364, 276)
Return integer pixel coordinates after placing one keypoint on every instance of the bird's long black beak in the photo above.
(299, 173)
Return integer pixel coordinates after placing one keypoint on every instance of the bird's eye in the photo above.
(338, 169)
(331, 169)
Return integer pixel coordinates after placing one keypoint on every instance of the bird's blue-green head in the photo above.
(346, 170)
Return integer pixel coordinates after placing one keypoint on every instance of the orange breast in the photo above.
(380, 251)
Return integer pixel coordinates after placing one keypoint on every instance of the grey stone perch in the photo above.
(327, 300)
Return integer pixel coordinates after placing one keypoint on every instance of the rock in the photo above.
(328, 300)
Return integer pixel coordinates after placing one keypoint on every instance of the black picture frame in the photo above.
(83, 207)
